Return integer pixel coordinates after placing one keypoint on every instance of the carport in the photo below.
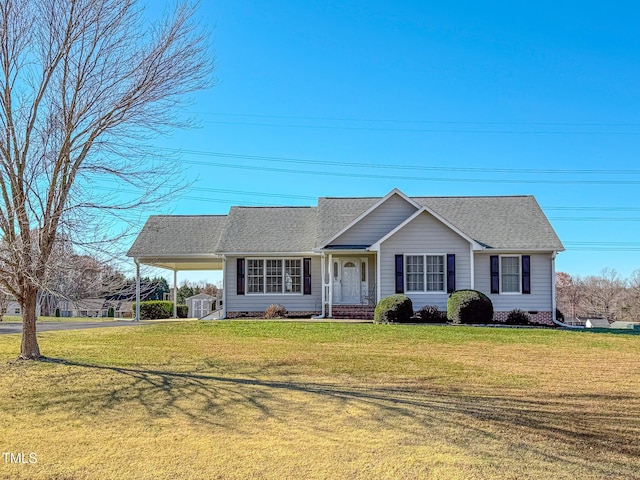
(178, 243)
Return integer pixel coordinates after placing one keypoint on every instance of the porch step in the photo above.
(360, 312)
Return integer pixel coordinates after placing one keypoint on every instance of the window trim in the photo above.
(424, 256)
(283, 273)
(501, 283)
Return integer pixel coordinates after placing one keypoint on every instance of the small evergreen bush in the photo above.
(393, 309)
(182, 311)
(430, 314)
(154, 309)
(469, 306)
(275, 311)
(111, 312)
(518, 317)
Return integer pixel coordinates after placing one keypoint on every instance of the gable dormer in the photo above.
(378, 220)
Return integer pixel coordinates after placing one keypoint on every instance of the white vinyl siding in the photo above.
(539, 299)
(377, 223)
(259, 303)
(425, 233)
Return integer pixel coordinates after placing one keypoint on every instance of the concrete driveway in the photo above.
(55, 326)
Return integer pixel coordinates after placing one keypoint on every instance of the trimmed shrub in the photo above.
(518, 317)
(275, 311)
(154, 309)
(469, 306)
(111, 312)
(430, 314)
(393, 309)
(182, 311)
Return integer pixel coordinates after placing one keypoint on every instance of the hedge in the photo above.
(155, 309)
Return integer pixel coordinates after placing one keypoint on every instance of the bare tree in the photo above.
(5, 299)
(84, 84)
(568, 294)
(602, 293)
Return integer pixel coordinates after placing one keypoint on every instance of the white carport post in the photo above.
(175, 293)
(137, 319)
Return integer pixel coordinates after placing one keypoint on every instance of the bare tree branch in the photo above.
(84, 85)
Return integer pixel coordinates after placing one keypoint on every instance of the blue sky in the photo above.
(354, 98)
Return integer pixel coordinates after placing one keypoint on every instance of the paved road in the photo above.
(55, 326)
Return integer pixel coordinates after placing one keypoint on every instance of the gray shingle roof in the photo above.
(269, 229)
(178, 235)
(514, 222)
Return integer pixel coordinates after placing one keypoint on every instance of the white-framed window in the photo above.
(274, 275)
(510, 274)
(425, 273)
(255, 275)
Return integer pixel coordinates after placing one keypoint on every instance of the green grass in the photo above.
(204, 400)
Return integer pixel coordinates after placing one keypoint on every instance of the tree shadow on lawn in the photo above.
(597, 433)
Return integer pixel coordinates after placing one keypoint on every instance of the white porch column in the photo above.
(330, 285)
(224, 286)
(175, 293)
(472, 261)
(323, 273)
(137, 319)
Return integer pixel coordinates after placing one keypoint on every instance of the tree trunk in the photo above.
(29, 349)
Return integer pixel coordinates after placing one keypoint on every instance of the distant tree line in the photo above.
(607, 295)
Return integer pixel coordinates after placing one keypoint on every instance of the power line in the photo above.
(423, 121)
(420, 130)
(533, 171)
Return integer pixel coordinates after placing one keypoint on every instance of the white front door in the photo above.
(350, 282)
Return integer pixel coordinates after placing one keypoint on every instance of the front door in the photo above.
(350, 283)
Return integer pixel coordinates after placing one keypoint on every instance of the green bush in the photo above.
(469, 306)
(396, 308)
(430, 314)
(154, 309)
(111, 312)
(518, 317)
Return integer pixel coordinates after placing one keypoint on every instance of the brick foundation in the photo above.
(542, 318)
(359, 312)
(231, 315)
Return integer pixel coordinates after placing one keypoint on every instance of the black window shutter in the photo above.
(399, 273)
(495, 274)
(240, 277)
(451, 273)
(306, 268)
(526, 274)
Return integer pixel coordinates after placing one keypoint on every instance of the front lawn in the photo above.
(207, 400)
